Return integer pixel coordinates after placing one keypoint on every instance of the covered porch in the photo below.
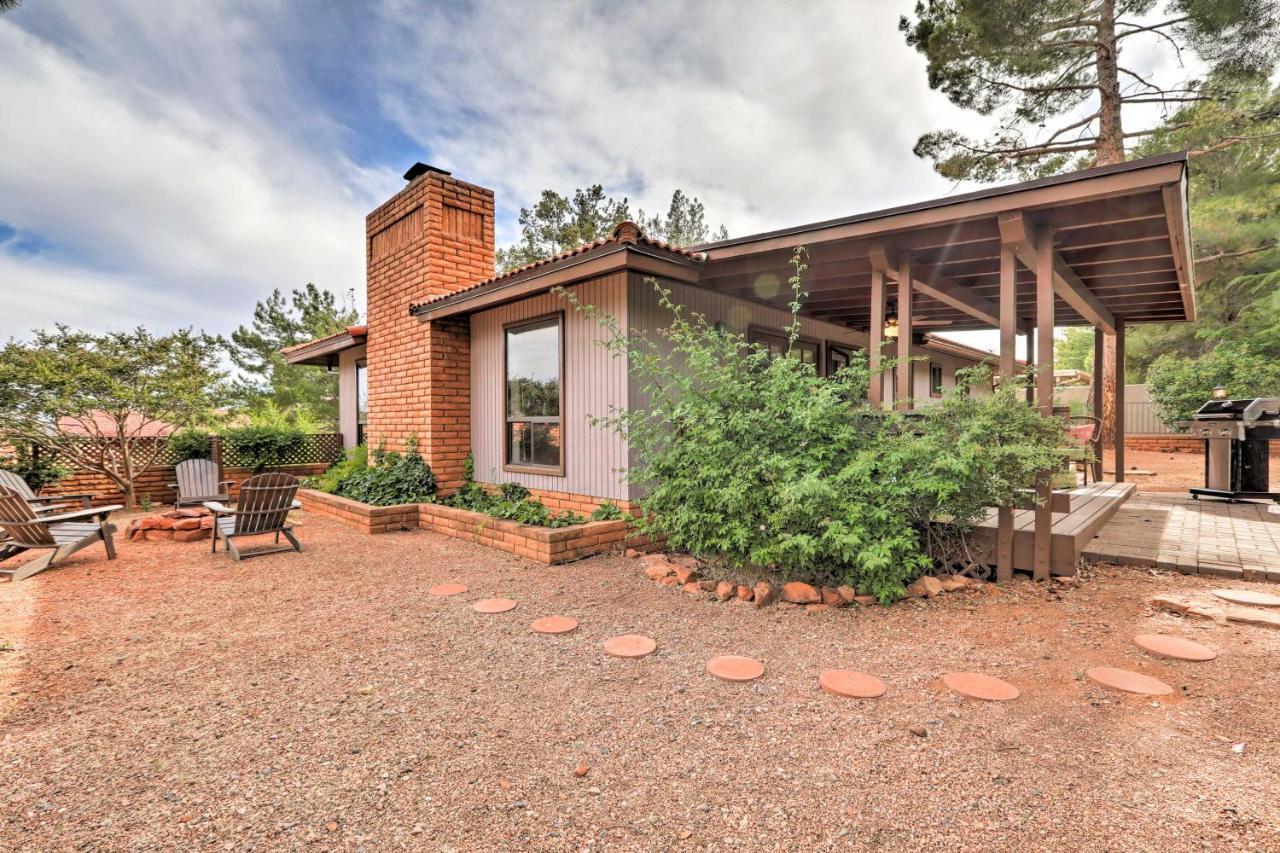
(1106, 247)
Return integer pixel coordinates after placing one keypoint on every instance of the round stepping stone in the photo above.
(493, 605)
(851, 684)
(735, 668)
(629, 646)
(1248, 596)
(448, 589)
(975, 685)
(1178, 648)
(554, 625)
(1129, 682)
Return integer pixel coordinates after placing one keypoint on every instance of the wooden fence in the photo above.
(315, 454)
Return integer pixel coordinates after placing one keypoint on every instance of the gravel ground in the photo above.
(1174, 472)
(174, 700)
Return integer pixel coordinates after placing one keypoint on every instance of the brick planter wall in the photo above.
(360, 516)
(1175, 444)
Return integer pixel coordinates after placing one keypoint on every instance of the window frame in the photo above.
(847, 350)
(555, 318)
(755, 333)
(933, 365)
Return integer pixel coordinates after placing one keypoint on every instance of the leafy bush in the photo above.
(37, 469)
(608, 511)
(1180, 385)
(511, 503)
(393, 478)
(760, 462)
(261, 447)
(191, 444)
(356, 459)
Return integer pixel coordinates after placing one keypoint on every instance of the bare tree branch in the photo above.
(1240, 254)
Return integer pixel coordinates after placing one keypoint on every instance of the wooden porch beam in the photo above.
(936, 286)
(1017, 232)
(1008, 366)
(902, 395)
(1046, 275)
(875, 391)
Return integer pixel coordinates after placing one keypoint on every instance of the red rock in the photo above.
(955, 583)
(1250, 616)
(866, 600)
(848, 593)
(744, 593)
(206, 523)
(706, 585)
(724, 591)
(580, 770)
(1188, 606)
(190, 512)
(925, 587)
(658, 571)
(694, 588)
(504, 783)
(1249, 597)
(147, 523)
(157, 535)
(669, 580)
(800, 593)
(655, 557)
(831, 597)
(765, 594)
(190, 535)
(685, 574)
(332, 826)
(187, 524)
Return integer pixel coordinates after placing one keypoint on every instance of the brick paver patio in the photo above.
(1174, 532)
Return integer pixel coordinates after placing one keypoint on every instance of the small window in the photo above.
(362, 399)
(838, 357)
(935, 380)
(534, 395)
(803, 349)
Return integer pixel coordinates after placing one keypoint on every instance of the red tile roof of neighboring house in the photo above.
(353, 331)
(103, 424)
(624, 232)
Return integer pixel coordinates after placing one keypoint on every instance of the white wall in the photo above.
(347, 394)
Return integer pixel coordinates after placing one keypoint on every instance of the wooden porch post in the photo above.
(1119, 392)
(1008, 363)
(904, 389)
(876, 340)
(1044, 396)
(1099, 354)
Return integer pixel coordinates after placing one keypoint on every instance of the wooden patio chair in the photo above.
(61, 534)
(10, 480)
(198, 482)
(262, 507)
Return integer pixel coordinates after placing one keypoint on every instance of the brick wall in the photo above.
(433, 237)
(154, 483)
(561, 501)
(1175, 444)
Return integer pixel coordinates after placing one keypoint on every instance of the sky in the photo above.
(169, 164)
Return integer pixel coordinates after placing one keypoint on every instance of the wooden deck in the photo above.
(1090, 508)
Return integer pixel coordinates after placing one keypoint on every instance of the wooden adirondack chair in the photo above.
(61, 535)
(262, 507)
(10, 480)
(198, 482)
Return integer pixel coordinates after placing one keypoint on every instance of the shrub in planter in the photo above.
(190, 444)
(511, 503)
(758, 462)
(356, 459)
(261, 447)
(393, 478)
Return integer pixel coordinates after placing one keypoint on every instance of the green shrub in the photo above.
(1180, 385)
(355, 459)
(759, 462)
(191, 444)
(608, 511)
(511, 503)
(261, 447)
(38, 469)
(393, 478)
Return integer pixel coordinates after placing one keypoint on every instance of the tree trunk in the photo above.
(1110, 150)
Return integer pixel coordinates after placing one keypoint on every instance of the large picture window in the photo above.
(534, 388)
(803, 349)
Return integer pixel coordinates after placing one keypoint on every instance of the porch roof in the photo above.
(323, 352)
(1120, 234)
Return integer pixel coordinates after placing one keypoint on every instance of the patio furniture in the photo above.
(262, 507)
(61, 534)
(10, 480)
(198, 482)
(1086, 432)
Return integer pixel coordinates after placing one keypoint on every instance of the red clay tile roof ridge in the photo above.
(627, 232)
(353, 331)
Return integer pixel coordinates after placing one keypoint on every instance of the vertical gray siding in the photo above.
(593, 382)
(347, 414)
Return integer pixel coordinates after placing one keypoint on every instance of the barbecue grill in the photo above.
(1236, 437)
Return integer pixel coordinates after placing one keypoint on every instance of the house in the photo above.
(502, 368)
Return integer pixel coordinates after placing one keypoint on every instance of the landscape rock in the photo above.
(796, 592)
(956, 583)
(725, 591)
(831, 597)
(658, 570)
(745, 593)
(765, 594)
(925, 587)
(685, 574)
(1188, 606)
(865, 600)
(1252, 616)
(694, 588)
(190, 535)
(848, 593)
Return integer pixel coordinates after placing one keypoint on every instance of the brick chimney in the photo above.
(433, 237)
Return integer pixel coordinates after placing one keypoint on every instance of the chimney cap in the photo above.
(417, 170)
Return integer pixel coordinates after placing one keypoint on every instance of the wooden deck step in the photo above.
(1092, 506)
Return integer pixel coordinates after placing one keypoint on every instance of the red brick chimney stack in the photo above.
(433, 237)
